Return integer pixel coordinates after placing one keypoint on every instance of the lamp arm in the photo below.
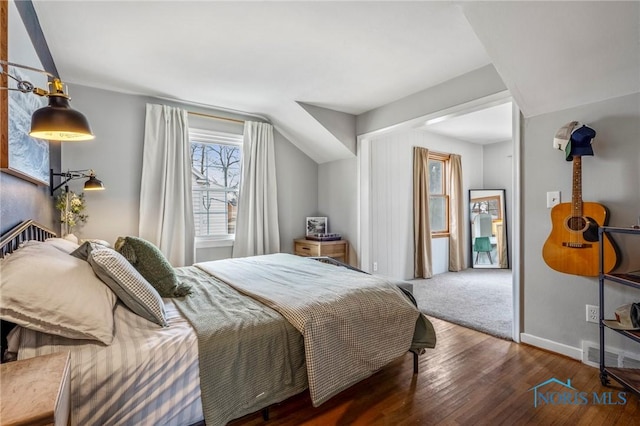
(25, 86)
(53, 189)
(69, 175)
(26, 67)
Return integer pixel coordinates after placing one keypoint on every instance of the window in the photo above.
(215, 181)
(438, 193)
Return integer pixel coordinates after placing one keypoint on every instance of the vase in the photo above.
(71, 237)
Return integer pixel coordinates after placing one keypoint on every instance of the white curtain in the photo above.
(456, 215)
(257, 221)
(166, 209)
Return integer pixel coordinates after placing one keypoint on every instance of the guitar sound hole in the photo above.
(577, 223)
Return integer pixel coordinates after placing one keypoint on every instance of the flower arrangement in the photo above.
(71, 206)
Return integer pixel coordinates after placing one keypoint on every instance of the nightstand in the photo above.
(338, 249)
(36, 391)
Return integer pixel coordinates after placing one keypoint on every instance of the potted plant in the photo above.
(71, 207)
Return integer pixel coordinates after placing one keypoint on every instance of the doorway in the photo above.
(386, 239)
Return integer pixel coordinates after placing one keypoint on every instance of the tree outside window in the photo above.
(215, 183)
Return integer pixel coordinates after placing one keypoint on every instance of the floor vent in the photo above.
(613, 357)
(629, 362)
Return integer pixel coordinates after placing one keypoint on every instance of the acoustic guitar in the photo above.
(573, 247)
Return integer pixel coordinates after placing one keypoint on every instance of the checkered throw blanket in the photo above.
(249, 356)
(353, 323)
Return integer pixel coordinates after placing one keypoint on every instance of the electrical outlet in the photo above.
(593, 313)
(375, 266)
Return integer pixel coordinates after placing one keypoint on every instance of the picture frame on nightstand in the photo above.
(317, 225)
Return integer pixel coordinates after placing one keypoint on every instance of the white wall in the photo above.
(392, 197)
(497, 161)
(297, 177)
(115, 154)
(117, 120)
(337, 199)
(554, 303)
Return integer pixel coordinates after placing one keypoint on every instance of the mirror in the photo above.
(487, 217)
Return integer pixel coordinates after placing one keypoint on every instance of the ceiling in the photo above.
(271, 58)
(484, 126)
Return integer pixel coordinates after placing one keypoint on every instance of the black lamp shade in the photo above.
(59, 122)
(93, 184)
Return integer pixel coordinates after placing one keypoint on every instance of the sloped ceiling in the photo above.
(304, 65)
(264, 57)
(562, 54)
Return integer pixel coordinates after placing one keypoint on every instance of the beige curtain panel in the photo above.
(421, 228)
(456, 214)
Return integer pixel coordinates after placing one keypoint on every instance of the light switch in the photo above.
(553, 198)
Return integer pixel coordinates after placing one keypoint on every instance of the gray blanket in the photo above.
(353, 323)
(249, 356)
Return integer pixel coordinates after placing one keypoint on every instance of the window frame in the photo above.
(213, 137)
(444, 159)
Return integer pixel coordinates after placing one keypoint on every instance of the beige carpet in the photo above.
(480, 299)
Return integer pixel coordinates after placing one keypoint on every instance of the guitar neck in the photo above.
(576, 194)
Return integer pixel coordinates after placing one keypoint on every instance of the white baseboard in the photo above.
(550, 345)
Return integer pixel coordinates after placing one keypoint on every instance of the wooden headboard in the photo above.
(9, 242)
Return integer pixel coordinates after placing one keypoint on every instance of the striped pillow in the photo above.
(127, 283)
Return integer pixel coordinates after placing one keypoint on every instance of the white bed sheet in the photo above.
(148, 376)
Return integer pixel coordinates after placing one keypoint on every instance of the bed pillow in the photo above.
(96, 241)
(45, 289)
(127, 283)
(84, 250)
(152, 265)
(61, 244)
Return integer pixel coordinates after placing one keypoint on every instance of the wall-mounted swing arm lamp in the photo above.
(57, 121)
(92, 183)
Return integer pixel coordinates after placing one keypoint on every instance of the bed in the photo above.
(252, 332)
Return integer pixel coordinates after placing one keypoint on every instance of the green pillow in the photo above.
(152, 265)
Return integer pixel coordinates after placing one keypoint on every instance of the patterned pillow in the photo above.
(83, 251)
(130, 287)
(152, 265)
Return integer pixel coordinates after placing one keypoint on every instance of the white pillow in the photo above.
(59, 243)
(45, 289)
(96, 241)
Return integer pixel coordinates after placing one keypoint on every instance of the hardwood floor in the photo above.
(470, 378)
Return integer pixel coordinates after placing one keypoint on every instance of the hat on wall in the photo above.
(627, 318)
(563, 135)
(580, 142)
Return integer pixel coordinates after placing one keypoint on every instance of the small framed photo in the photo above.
(317, 225)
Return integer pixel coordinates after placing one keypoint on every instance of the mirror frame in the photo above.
(495, 200)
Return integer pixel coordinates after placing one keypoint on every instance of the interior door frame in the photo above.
(364, 189)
